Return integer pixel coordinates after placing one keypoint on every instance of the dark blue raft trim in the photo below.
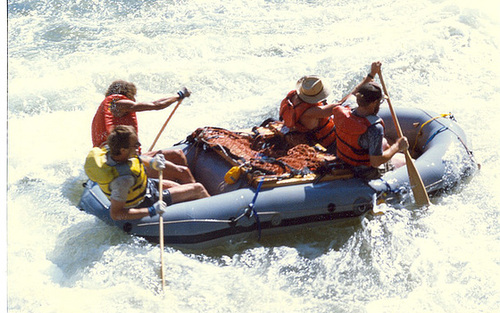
(200, 238)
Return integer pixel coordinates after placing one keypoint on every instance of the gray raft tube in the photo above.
(438, 145)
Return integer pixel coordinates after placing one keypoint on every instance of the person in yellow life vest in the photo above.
(121, 175)
(360, 134)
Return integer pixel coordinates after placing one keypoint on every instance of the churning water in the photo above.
(240, 58)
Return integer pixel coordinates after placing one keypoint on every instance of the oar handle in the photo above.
(165, 124)
(393, 114)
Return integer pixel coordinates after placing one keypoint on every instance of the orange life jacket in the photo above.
(292, 108)
(349, 128)
(104, 120)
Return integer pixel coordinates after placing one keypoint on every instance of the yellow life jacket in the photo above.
(98, 170)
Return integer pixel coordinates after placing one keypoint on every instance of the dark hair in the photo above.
(122, 87)
(368, 93)
(120, 138)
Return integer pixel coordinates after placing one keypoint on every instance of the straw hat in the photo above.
(311, 89)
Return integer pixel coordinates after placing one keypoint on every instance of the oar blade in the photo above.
(417, 185)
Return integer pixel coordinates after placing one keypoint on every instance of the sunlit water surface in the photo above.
(240, 58)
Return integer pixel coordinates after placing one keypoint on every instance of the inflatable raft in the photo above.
(255, 195)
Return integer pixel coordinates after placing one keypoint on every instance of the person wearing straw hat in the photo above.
(119, 108)
(305, 110)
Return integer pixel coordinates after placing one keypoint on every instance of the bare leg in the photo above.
(175, 156)
(176, 169)
(398, 160)
(187, 192)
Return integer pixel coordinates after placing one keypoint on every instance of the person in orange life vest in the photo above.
(304, 110)
(119, 108)
(360, 134)
(123, 147)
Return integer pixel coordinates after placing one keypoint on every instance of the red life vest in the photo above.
(349, 127)
(292, 108)
(104, 120)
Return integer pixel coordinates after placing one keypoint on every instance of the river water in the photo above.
(240, 58)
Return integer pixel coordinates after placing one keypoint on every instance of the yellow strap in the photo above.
(422, 126)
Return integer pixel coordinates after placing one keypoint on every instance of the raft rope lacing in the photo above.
(431, 137)
(207, 220)
(442, 129)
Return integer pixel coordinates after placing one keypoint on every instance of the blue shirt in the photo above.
(372, 139)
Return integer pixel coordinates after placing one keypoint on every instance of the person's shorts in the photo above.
(153, 194)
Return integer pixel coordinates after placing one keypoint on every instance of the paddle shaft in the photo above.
(160, 188)
(417, 185)
(165, 125)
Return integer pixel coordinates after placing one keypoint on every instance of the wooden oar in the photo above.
(417, 185)
(160, 188)
(165, 125)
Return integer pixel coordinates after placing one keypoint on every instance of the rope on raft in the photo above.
(442, 129)
(252, 207)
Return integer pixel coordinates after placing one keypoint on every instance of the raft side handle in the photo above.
(332, 207)
(362, 205)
